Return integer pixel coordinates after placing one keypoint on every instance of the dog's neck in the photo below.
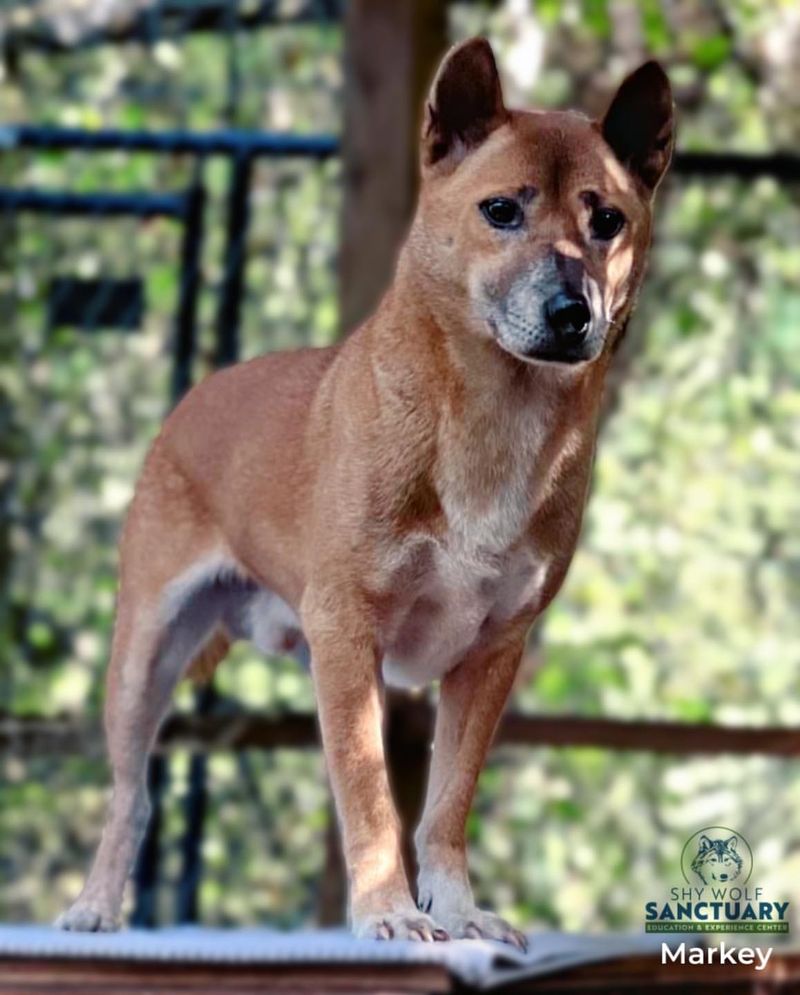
(470, 374)
(497, 426)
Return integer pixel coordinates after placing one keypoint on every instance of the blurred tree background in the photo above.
(682, 601)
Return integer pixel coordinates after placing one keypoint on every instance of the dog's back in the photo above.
(414, 494)
(230, 437)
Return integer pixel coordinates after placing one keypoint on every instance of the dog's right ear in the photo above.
(465, 103)
(639, 124)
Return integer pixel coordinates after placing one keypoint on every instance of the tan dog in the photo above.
(409, 499)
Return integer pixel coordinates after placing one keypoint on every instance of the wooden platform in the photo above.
(633, 974)
(317, 963)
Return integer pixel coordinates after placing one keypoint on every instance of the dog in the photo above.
(406, 502)
(717, 861)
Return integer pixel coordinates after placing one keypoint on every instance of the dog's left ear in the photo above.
(465, 103)
(639, 124)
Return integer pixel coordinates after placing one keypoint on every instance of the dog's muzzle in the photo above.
(568, 317)
(543, 316)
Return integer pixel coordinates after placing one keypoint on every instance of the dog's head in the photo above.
(539, 220)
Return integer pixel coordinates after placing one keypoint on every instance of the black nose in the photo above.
(568, 315)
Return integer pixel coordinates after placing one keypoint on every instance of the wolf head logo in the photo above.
(717, 861)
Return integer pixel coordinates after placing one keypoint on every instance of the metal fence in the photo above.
(105, 303)
(108, 304)
(119, 304)
(75, 306)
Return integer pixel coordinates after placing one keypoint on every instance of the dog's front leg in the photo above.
(471, 700)
(345, 668)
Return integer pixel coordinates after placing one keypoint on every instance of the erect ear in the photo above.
(638, 124)
(465, 103)
(731, 842)
(705, 843)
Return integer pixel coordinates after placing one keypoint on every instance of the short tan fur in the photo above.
(406, 503)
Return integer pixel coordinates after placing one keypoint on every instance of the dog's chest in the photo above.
(449, 610)
(451, 591)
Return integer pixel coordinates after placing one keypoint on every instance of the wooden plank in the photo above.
(630, 974)
(93, 977)
(678, 738)
(643, 973)
(32, 736)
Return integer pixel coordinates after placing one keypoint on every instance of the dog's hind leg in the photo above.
(161, 626)
(136, 701)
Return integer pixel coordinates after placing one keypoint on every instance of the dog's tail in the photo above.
(213, 652)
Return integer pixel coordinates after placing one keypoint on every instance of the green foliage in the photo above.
(79, 410)
(682, 600)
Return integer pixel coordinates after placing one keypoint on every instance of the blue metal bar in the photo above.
(225, 142)
(743, 165)
(230, 297)
(783, 165)
(142, 205)
(187, 892)
(146, 870)
(186, 318)
(174, 18)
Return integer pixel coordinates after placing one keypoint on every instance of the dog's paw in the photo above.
(86, 917)
(397, 926)
(480, 925)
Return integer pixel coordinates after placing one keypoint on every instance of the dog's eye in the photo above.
(607, 222)
(502, 212)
